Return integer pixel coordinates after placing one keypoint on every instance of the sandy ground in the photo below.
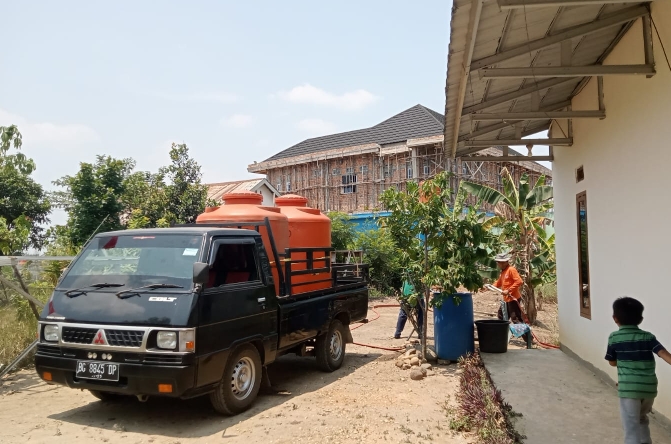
(369, 400)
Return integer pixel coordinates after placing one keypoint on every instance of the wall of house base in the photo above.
(626, 160)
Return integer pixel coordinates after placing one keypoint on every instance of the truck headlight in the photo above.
(166, 340)
(187, 341)
(51, 333)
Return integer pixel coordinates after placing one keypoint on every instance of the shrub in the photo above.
(380, 252)
(342, 231)
(481, 408)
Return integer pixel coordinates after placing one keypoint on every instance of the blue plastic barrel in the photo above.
(453, 329)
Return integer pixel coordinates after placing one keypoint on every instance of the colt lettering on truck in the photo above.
(194, 310)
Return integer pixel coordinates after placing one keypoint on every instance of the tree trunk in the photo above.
(427, 296)
(17, 274)
(528, 296)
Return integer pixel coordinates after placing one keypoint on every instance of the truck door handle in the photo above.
(261, 300)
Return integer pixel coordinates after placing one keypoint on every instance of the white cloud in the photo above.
(317, 127)
(60, 135)
(238, 121)
(56, 148)
(308, 94)
(202, 96)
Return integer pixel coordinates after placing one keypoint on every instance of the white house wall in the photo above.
(626, 160)
(268, 196)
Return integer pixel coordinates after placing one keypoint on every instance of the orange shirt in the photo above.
(510, 280)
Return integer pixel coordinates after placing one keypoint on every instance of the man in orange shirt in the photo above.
(511, 283)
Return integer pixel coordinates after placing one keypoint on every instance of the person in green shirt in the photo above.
(408, 289)
(632, 351)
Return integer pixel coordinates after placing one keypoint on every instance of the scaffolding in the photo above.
(351, 180)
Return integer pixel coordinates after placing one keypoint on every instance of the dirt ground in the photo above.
(369, 400)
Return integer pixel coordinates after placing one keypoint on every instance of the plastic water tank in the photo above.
(245, 206)
(308, 227)
(453, 327)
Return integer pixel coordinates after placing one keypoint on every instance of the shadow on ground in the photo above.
(290, 376)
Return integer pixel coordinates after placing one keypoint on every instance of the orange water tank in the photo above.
(245, 206)
(308, 227)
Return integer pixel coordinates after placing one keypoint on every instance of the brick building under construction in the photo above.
(348, 171)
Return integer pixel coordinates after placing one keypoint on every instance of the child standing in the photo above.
(632, 350)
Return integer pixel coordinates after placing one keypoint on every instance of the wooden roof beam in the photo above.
(519, 4)
(567, 71)
(619, 18)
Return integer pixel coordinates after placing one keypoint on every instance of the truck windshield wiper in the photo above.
(80, 291)
(136, 291)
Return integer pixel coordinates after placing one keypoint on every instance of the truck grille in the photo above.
(77, 335)
(124, 338)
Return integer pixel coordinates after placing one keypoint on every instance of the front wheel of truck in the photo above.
(240, 383)
(330, 347)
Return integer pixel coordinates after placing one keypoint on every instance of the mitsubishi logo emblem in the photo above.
(100, 338)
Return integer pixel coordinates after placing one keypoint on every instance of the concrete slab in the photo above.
(561, 401)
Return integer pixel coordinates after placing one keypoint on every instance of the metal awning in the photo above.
(514, 66)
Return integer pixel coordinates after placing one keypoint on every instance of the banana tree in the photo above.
(521, 218)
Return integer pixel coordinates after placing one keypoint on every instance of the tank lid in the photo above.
(291, 200)
(242, 197)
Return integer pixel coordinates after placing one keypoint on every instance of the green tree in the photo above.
(342, 231)
(15, 239)
(438, 245)
(521, 218)
(383, 258)
(145, 200)
(93, 197)
(20, 196)
(186, 196)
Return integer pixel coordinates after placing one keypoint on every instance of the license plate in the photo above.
(102, 371)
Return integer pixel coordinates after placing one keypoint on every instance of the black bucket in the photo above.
(493, 335)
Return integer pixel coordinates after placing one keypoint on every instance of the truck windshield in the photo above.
(135, 261)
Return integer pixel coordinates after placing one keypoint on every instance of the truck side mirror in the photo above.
(201, 273)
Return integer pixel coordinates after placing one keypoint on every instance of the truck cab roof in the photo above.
(204, 230)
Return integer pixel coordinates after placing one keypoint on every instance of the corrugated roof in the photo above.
(498, 31)
(412, 123)
(215, 191)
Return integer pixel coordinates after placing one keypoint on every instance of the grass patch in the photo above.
(376, 295)
(547, 293)
(16, 333)
(480, 407)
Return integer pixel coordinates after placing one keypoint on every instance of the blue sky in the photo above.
(236, 81)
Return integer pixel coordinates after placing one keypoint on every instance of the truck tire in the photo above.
(240, 382)
(330, 347)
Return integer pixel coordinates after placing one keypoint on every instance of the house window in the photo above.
(386, 171)
(364, 170)
(464, 169)
(426, 168)
(349, 183)
(349, 170)
(408, 169)
(583, 256)
(279, 186)
(579, 174)
(317, 172)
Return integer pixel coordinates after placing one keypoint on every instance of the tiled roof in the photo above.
(215, 191)
(412, 123)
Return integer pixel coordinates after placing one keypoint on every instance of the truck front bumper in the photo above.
(134, 379)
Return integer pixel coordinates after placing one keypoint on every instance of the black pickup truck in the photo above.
(189, 311)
